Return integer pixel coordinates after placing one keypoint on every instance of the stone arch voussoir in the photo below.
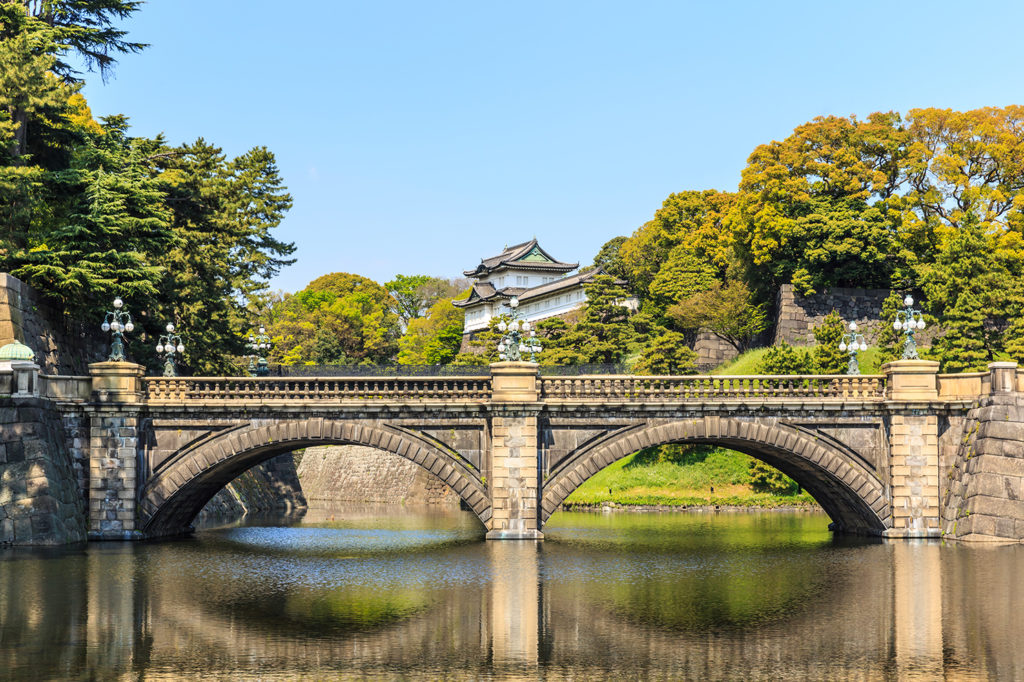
(850, 493)
(172, 498)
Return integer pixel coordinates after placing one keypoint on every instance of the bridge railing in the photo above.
(682, 388)
(183, 389)
(967, 385)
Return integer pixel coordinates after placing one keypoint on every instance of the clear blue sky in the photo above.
(420, 137)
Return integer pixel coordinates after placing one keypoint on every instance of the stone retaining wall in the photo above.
(61, 345)
(353, 473)
(41, 502)
(798, 316)
(271, 486)
(983, 491)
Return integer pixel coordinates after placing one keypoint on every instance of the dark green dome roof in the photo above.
(16, 351)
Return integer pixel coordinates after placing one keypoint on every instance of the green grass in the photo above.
(671, 484)
(746, 363)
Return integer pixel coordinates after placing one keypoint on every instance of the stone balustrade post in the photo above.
(512, 456)
(1004, 377)
(113, 449)
(913, 430)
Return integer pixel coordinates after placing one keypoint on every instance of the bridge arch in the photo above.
(848, 490)
(173, 497)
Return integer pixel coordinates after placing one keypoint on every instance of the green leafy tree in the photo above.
(434, 339)
(609, 258)
(668, 353)
(828, 359)
(727, 311)
(353, 310)
(682, 275)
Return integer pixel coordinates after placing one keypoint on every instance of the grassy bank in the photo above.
(747, 363)
(722, 478)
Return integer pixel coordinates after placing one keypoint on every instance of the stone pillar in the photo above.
(1004, 377)
(913, 448)
(113, 448)
(512, 456)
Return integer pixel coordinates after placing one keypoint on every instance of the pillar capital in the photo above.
(116, 382)
(912, 380)
(514, 382)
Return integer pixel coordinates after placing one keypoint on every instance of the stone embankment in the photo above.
(41, 502)
(267, 487)
(353, 473)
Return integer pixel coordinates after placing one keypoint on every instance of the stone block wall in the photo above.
(270, 486)
(797, 316)
(712, 351)
(354, 473)
(41, 502)
(61, 345)
(983, 492)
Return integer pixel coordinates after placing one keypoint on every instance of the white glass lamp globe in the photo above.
(920, 323)
(514, 326)
(501, 347)
(105, 326)
(863, 346)
(115, 325)
(526, 326)
(897, 325)
(129, 327)
(118, 303)
(853, 326)
(842, 346)
(170, 327)
(502, 326)
(159, 348)
(522, 348)
(908, 301)
(514, 303)
(501, 356)
(181, 348)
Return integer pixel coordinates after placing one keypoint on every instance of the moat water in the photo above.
(364, 595)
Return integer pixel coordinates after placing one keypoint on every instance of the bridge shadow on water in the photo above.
(625, 596)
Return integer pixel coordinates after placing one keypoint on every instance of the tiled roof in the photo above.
(485, 291)
(510, 258)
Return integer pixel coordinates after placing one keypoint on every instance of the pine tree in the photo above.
(667, 354)
(962, 347)
(828, 359)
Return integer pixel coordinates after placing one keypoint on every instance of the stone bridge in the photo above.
(879, 453)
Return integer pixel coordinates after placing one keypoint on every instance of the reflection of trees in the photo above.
(607, 608)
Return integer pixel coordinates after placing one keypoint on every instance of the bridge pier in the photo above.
(914, 448)
(513, 460)
(114, 416)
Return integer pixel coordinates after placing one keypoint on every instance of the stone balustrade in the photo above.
(685, 388)
(399, 389)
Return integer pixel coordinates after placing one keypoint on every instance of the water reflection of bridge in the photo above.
(903, 610)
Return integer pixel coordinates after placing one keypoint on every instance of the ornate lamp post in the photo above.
(518, 338)
(116, 322)
(907, 321)
(257, 345)
(169, 344)
(852, 343)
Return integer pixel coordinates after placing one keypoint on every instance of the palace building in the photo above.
(540, 282)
